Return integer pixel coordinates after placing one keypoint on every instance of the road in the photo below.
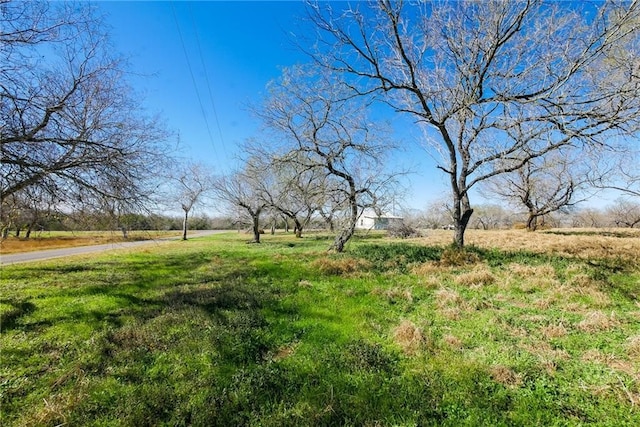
(77, 250)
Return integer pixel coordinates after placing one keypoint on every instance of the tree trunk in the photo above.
(256, 227)
(343, 237)
(532, 222)
(185, 224)
(461, 227)
(462, 215)
(298, 228)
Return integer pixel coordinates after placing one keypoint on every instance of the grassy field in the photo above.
(65, 239)
(522, 329)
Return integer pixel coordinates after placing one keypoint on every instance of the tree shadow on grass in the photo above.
(19, 308)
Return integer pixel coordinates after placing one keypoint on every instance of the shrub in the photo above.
(455, 257)
(403, 231)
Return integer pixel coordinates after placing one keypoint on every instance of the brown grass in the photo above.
(505, 376)
(478, 277)
(394, 294)
(453, 342)
(553, 331)
(598, 321)
(632, 345)
(341, 266)
(447, 297)
(57, 240)
(624, 244)
(409, 337)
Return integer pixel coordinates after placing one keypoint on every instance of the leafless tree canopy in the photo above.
(242, 191)
(190, 184)
(542, 185)
(491, 80)
(317, 126)
(70, 125)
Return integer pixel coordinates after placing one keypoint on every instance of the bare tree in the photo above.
(438, 214)
(491, 80)
(296, 194)
(192, 182)
(242, 191)
(624, 213)
(542, 185)
(619, 172)
(590, 217)
(319, 128)
(70, 125)
(490, 217)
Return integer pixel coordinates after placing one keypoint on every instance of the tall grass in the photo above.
(216, 332)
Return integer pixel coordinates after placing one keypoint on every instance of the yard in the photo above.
(521, 329)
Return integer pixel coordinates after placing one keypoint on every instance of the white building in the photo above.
(369, 220)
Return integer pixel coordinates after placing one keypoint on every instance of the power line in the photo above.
(206, 76)
(193, 79)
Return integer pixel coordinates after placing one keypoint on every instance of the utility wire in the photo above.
(193, 79)
(206, 76)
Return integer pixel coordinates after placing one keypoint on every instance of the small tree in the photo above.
(321, 130)
(542, 185)
(192, 183)
(624, 213)
(242, 191)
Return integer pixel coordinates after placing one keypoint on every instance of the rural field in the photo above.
(520, 329)
(65, 239)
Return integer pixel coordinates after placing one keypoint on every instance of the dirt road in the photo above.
(64, 252)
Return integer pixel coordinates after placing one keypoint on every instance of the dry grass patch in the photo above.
(505, 376)
(394, 294)
(341, 266)
(453, 257)
(476, 278)
(429, 268)
(57, 240)
(583, 243)
(611, 361)
(548, 357)
(632, 345)
(305, 284)
(597, 321)
(453, 342)
(537, 271)
(285, 351)
(446, 297)
(449, 303)
(553, 331)
(409, 337)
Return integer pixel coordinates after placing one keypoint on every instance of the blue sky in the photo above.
(200, 64)
(232, 49)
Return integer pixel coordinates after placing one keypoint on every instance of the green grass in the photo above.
(216, 332)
